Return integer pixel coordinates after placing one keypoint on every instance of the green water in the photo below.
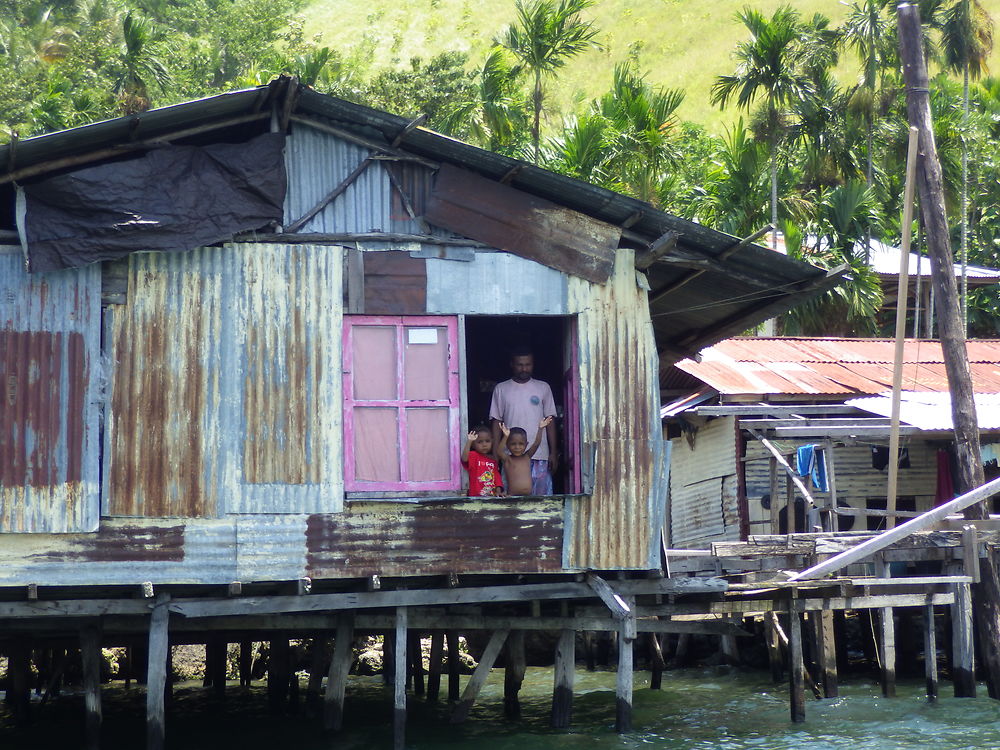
(698, 708)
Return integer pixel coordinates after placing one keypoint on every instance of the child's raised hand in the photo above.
(544, 423)
(505, 430)
(472, 436)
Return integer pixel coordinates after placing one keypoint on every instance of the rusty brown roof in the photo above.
(780, 366)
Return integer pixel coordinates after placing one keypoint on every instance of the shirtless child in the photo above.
(515, 456)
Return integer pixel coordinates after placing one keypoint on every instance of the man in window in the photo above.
(523, 402)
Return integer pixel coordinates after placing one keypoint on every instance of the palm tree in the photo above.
(967, 40)
(544, 37)
(773, 64)
(139, 64)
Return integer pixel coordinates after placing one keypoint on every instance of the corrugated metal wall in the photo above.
(49, 404)
(618, 525)
(495, 284)
(856, 479)
(316, 163)
(224, 399)
(703, 506)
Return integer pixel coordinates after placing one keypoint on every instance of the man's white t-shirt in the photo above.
(524, 405)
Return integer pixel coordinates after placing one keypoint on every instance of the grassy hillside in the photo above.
(682, 43)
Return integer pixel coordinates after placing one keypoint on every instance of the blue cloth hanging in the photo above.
(804, 458)
(811, 462)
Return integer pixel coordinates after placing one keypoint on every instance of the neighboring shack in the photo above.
(749, 395)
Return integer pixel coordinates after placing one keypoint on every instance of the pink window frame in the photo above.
(453, 404)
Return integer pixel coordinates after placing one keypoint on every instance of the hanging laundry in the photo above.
(810, 462)
(818, 473)
(804, 458)
(880, 457)
(945, 489)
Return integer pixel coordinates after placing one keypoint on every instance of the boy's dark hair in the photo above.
(519, 431)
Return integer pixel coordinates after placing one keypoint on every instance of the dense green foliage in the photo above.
(823, 157)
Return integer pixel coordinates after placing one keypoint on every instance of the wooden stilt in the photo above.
(128, 665)
(774, 656)
(656, 662)
(513, 674)
(930, 654)
(453, 662)
(434, 666)
(775, 509)
(215, 665)
(277, 676)
(316, 663)
(416, 661)
(55, 677)
(624, 684)
(562, 693)
(478, 679)
(681, 654)
(293, 679)
(399, 702)
(389, 658)
(157, 674)
(796, 667)
(90, 656)
(589, 650)
(19, 680)
(729, 650)
(246, 663)
(826, 652)
(963, 659)
(340, 667)
(887, 641)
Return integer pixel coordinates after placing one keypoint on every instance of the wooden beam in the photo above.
(340, 668)
(156, 677)
(376, 146)
(887, 640)
(624, 687)
(513, 674)
(619, 608)
(414, 123)
(963, 666)
(434, 666)
(930, 654)
(796, 666)
(659, 247)
(789, 471)
(774, 410)
(870, 547)
(341, 238)
(479, 676)
(453, 662)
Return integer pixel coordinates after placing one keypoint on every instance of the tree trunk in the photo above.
(986, 594)
(536, 101)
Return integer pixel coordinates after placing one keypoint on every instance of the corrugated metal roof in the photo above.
(749, 365)
(884, 260)
(931, 411)
(699, 295)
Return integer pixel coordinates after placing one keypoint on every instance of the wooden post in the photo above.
(774, 658)
(479, 676)
(434, 665)
(887, 639)
(796, 667)
(683, 646)
(772, 471)
(791, 526)
(951, 324)
(589, 650)
(90, 656)
(930, 653)
(656, 662)
(18, 680)
(624, 686)
(215, 665)
(826, 651)
(513, 674)
(453, 662)
(340, 667)
(157, 674)
(246, 663)
(416, 661)
(277, 675)
(562, 693)
(315, 685)
(963, 659)
(399, 683)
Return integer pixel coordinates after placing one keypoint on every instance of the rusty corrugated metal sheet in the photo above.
(703, 505)
(504, 284)
(471, 537)
(512, 220)
(49, 404)
(834, 366)
(618, 525)
(224, 398)
(318, 162)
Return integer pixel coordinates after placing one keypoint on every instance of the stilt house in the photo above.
(748, 416)
(242, 340)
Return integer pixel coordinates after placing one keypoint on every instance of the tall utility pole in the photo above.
(963, 406)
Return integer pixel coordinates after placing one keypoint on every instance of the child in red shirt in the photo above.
(484, 470)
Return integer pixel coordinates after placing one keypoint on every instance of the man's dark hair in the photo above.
(521, 351)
